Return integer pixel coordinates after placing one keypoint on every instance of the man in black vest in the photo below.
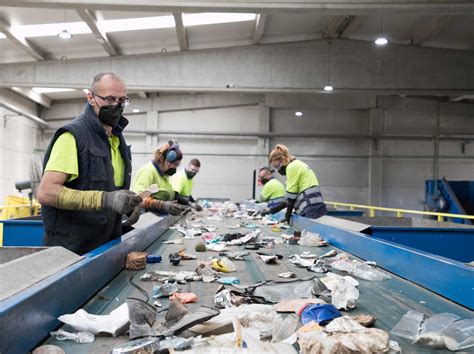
(84, 189)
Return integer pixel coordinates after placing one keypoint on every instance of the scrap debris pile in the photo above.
(305, 309)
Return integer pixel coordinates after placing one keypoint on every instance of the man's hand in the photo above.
(195, 206)
(134, 216)
(265, 211)
(173, 207)
(121, 201)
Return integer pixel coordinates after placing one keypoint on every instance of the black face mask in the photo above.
(190, 174)
(110, 115)
(264, 180)
(282, 170)
(170, 171)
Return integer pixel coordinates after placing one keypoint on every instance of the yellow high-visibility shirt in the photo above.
(63, 158)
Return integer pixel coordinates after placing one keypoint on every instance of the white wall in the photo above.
(19, 137)
(344, 162)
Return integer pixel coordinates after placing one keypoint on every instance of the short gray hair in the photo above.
(101, 75)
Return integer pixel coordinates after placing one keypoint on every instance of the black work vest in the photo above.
(83, 231)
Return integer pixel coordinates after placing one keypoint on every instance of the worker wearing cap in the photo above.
(158, 171)
(182, 183)
(273, 192)
(303, 194)
(84, 189)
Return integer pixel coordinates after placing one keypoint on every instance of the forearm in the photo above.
(277, 208)
(290, 203)
(181, 199)
(72, 199)
(150, 203)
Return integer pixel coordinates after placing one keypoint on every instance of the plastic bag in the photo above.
(164, 290)
(459, 335)
(409, 325)
(310, 239)
(79, 337)
(343, 290)
(284, 329)
(431, 329)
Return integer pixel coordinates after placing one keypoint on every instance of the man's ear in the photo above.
(90, 99)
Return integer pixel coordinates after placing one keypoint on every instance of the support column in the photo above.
(375, 159)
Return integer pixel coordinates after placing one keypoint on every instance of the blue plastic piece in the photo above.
(320, 313)
(153, 258)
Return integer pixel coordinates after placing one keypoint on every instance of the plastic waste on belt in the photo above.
(79, 337)
(320, 313)
(164, 290)
(277, 292)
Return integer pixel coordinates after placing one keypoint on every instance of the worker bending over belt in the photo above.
(182, 183)
(158, 171)
(302, 187)
(273, 192)
(84, 189)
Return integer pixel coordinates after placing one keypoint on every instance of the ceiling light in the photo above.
(51, 89)
(50, 29)
(209, 18)
(136, 109)
(135, 24)
(64, 34)
(328, 88)
(86, 91)
(2, 36)
(298, 113)
(381, 40)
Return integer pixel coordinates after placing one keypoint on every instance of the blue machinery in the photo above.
(454, 197)
(421, 257)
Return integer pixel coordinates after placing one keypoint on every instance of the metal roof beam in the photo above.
(328, 7)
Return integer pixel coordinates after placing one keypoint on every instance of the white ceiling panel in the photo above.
(220, 35)
(31, 16)
(79, 46)
(145, 41)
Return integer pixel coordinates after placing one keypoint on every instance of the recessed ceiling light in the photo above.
(64, 34)
(50, 29)
(86, 91)
(298, 113)
(328, 88)
(2, 36)
(51, 89)
(136, 109)
(381, 40)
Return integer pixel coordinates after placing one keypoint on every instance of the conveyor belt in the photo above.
(388, 300)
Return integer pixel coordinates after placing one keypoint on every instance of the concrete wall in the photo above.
(18, 139)
(388, 170)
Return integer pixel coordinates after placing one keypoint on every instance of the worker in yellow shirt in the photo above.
(302, 186)
(84, 189)
(158, 171)
(182, 183)
(273, 192)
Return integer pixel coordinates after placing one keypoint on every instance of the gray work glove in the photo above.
(121, 201)
(195, 206)
(173, 207)
(265, 211)
(134, 216)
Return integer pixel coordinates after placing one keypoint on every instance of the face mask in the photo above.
(282, 170)
(263, 180)
(110, 115)
(170, 171)
(190, 174)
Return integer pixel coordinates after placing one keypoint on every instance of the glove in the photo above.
(121, 201)
(134, 216)
(265, 211)
(195, 206)
(173, 208)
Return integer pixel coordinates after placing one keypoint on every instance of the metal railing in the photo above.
(399, 212)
